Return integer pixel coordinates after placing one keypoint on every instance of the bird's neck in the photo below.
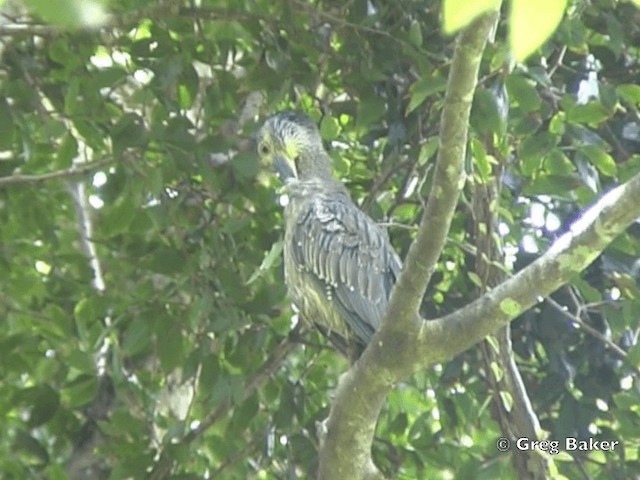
(316, 164)
(310, 186)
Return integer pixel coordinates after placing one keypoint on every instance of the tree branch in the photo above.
(444, 338)
(346, 452)
(577, 321)
(408, 343)
(394, 354)
(448, 178)
(75, 171)
(517, 418)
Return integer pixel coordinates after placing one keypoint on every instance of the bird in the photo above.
(339, 264)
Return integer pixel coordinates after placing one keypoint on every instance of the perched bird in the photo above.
(339, 265)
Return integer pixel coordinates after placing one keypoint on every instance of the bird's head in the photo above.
(290, 143)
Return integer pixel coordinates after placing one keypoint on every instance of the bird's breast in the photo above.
(311, 295)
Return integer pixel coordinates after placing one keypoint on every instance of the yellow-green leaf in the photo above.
(600, 159)
(459, 13)
(510, 307)
(531, 23)
(329, 128)
(629, 92)
(268, 261)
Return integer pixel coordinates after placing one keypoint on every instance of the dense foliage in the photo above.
(154, 334)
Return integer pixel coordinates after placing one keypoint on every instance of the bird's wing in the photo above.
(348, 254)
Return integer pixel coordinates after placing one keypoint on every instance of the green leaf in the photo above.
(177, 132)
(557, 163)
(6, 125)
(81, 361)
(531, 23)
(244, 415)
(533, 150)
(221, 391)
(117, 219)
(486, 115)
(70, 13)
(557, 124)
(188, 87)
(475, 279)
(369, 111)
(507, 400)
(600, 159)
(459, 13)
(80, 392)
(510, 307)
(67, 151)
(483, 162)
(170, 345)
(615, 40)
(129, 131)
(633, 356)
(27, 444)
(43, 402)
(246, 164)
(72, 97)
(427, 150)
(630, 93)
(90, 132)
(269, 259)
(166, 260)
(136, 336)
(329, 128)
(88, 310)
(608, 97)
(60, 51)
(524, 92)
(424, 87)
(108, 77)
(415, 33)
(592, 113)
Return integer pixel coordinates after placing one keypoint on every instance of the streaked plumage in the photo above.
(339, 265)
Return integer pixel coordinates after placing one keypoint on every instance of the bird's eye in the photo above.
(264, 149)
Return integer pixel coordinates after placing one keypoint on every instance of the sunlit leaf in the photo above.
(600, 159)
(591, 113)
(329, 128)
(70, 13)
(531, 23)
(630, 92)
(459, 13)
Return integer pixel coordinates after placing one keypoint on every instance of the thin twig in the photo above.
(235, 458)
(72, 172)
(17, 29)
(558, 61)
(588, 328)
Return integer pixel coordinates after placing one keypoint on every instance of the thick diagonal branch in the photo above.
(448, 177)
(570, 254)
(347, 448)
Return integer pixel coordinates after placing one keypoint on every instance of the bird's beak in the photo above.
(284, 167)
